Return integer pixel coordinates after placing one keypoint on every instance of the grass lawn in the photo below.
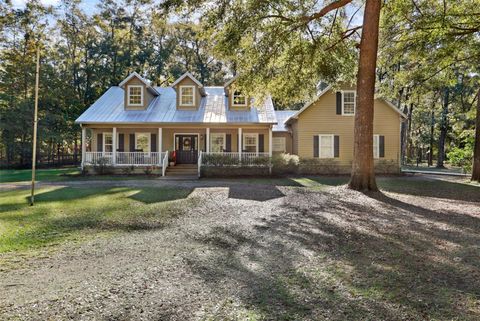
(70, 213)
(51, 175)
(59, 175)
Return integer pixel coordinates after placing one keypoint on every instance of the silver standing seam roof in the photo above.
(282, 117)
(109, 108)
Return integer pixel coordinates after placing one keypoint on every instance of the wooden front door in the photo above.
(186, 147)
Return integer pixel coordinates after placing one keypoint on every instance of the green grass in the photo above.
(52, 175)
(68, 213)
(60, 174)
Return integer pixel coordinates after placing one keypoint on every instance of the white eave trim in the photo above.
(389, 104)
(228, 83)
(143, 80)
(189, 75)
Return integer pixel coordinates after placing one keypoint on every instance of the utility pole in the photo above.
(35, 121)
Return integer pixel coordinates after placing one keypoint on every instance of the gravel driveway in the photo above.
(266, 252)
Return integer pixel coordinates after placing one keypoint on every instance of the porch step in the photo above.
(182, 170)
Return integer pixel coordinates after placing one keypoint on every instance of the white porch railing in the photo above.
(164, 163)
(125, 158)
(199, 163)
(234, 159)
(92, 158)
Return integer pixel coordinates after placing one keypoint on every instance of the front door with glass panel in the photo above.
(186, 147)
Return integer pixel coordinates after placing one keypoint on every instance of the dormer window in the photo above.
(187, 95)
(348, 103)
(135, 95)
(239, 100)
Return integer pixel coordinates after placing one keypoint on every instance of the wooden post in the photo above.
(35, 120)
(239, 143)
(270, 141)
(160, 147)
(207, 138)
(114, 146)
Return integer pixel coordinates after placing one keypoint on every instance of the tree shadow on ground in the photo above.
(345, 255)
(76, 212)
(254, 193)
(419, 186)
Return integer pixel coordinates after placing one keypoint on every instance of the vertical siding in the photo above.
(321, 118)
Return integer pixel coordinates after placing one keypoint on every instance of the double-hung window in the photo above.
(239, 100)
(142, 142)
(135, 95)
(279, 144)
(326, 146)
(107, 142)
(217, 142)
(376, 146)
(187, 95)
(348, 102)
(250, 142)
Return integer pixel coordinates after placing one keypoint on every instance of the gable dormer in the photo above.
(236, 100)
(138, 93)
(189, 91)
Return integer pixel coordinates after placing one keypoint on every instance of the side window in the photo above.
(376, 146)
(135, 95)
(107, 142)
(279, 144)
(326, 146)
(142, 142)
(217, 142)
(187, 95)
(348, 102)
(250, 142)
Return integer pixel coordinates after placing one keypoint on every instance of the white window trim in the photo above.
(376, 151)
(141, 95)
(149, 135)
(354, 102)
(284, 144)
(332, 155)
(256, 141)
(238, 105)
(103, 141)
(181, 94)
(224, 135)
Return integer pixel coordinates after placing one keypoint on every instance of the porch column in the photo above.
(114, 145)
(208, 141)
(240, 143)
(84, 146)
(270, 141)
(160, 147)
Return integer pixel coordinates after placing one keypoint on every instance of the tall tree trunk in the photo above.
(403, 137)
(432, 130)
(476, 149)
(443, 130)
(363, 172)
(408, 140)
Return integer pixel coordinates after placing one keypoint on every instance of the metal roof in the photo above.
(109, 108)
(282, 117)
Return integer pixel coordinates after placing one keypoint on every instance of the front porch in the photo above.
(144, 146)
